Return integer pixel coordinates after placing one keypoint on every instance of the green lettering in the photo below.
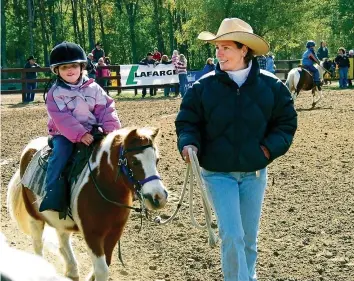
(130, 80)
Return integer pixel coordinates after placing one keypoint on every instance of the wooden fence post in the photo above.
(24, 86)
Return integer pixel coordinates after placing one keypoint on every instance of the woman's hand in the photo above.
(87, 139)
(185, 152)
(266, 152)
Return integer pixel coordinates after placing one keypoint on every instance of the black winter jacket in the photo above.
(342, 61)
(228, 124)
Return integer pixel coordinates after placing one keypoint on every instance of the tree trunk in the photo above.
(157, 21)
(20, 38)
(91, 24)
(30, 9)
(52, 17)
(82, 19)
(44, 36)
(75, 21)
(228, 8)
(3, 36)
(131, 11)
(100, 17)
(171, 31)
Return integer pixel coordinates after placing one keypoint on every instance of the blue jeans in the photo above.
(237, 199)
(62, 150)
(314, 70)
(30, 95)
(343, 77)
(183, 82)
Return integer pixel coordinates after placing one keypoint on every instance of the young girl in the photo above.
(182, 74)
(74, 104)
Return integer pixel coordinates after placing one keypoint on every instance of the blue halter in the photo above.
(124, 167)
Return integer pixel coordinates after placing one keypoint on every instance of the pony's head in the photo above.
(134, 158)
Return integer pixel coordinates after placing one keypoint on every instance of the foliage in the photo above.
(131, 28)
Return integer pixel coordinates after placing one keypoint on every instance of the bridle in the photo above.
(127, 171)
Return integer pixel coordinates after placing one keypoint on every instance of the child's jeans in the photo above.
(237, 199)
(62, 150)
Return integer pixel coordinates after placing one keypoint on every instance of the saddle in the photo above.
(306, 79)
(35, 173)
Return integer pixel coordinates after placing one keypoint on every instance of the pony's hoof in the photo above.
(73, 276)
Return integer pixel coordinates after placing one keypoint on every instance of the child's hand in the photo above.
(87, 139)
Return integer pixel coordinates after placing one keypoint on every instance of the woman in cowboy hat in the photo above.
(237, 119)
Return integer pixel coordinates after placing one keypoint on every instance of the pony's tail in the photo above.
(16, 204)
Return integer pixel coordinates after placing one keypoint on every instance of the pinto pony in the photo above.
(300, 79)
(123, 165)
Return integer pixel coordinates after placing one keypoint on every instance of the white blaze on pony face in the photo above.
(154, 191)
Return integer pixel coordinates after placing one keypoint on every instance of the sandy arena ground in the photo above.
(306, 230)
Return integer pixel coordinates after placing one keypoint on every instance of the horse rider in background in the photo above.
(309, 58)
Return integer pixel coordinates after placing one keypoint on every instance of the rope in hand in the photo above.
(193, 170)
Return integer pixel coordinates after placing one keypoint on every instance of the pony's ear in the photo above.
(155, 132)
(131, 135)
(149, 132)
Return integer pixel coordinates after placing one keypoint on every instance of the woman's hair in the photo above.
(175, 52)
(249, 56)
(182, 58)
(164, 58)
(209, 59)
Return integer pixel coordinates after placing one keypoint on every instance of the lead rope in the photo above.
(193, 169)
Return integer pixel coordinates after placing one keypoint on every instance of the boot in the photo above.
(56, 198)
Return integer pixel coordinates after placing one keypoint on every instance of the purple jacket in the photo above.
(72, 109)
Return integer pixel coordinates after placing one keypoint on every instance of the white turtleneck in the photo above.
(240, 76)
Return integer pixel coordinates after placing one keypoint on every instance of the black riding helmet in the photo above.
(65, 53)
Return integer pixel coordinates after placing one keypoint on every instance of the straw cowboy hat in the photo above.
(235, 29)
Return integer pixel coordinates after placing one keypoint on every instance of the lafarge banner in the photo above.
(140, 75)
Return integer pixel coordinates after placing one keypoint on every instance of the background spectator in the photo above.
(91, 68)
(31, 62)
(100, 72)
(182, 74)
(107, 61)
(270, 66)
(322, 51)
(157, 55)
(165, 60)
(148, 60)
(262, 62)
(350, 55)
(97, 52)
(342, 61)
(174, 58)
(209, 66)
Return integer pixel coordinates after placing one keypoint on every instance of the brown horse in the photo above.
(122, 166)
(300, 79)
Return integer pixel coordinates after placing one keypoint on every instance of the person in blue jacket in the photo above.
(237, 120)
(309, 58)
(209, 66)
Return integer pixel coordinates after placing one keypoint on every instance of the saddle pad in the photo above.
(35, 175)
